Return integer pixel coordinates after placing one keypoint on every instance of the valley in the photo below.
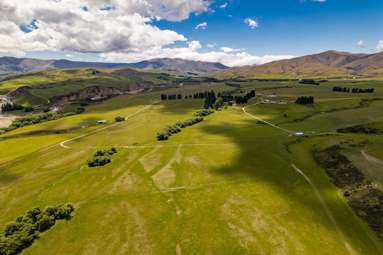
(243, 181)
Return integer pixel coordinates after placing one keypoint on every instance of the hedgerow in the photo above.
(204, 113)
(35, 119)
(176, 128)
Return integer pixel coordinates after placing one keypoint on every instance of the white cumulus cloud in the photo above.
(379, 47)
(252, 23)
(226, 56)
(114, 30)
(224, 5)
(96, 26)
(361, 44)
(202, 26)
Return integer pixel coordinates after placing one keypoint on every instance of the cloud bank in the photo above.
(121, 30)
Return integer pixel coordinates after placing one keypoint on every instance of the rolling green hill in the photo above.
(47, 86)
(231, 184)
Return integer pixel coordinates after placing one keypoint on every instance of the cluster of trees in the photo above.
(102, 157)
(353, 90)
(244, 99)
(210, 100)
(21, 233)
(119, 119)
(176, 128)
(216, 102)
(9, 107)
(305, 100)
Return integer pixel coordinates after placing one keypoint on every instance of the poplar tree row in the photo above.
(353, 90)
(305, 100)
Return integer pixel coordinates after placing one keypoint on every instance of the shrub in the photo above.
(80, 110)
(119, 119)
(102, 157)
(45, 223)
(28, 109)
(203, 113)
(162, 136)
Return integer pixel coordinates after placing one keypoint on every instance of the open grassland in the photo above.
(228, 185)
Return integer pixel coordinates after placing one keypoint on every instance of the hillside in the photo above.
(180, 65)
(326, 64)
(76, 84)
(66, 86)
(238, 182)
(10, 65)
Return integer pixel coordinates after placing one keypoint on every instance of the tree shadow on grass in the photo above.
(7, 178)
(263, 158)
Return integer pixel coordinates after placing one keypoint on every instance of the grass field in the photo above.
(228, 185)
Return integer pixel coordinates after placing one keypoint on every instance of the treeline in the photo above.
(216, 102)
(10, 107)
(102, 157)
(176, 128)
(35, 119)
(305, 100)
(370, 128)
(353, 90)
(204, 113)
(309, 82)
(198, 95)
(210, 97)
(21, 233)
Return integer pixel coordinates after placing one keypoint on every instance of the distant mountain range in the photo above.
(10, 65)
(326, 64)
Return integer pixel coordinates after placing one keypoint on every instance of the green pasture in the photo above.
(223, 186)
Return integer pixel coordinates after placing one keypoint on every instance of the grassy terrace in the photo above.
(224, 186)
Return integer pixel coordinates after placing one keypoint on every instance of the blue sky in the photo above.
(289, 26)
(234, 32)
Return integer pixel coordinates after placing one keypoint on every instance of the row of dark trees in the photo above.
(353, 90)
(35, 119)
(10, 107)
(171, 97)
(305, 100)
(102, 157)
(199, 95)
(309, 82)
(21, 233)
(204, 113)
(213, 100)
(176, 128)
